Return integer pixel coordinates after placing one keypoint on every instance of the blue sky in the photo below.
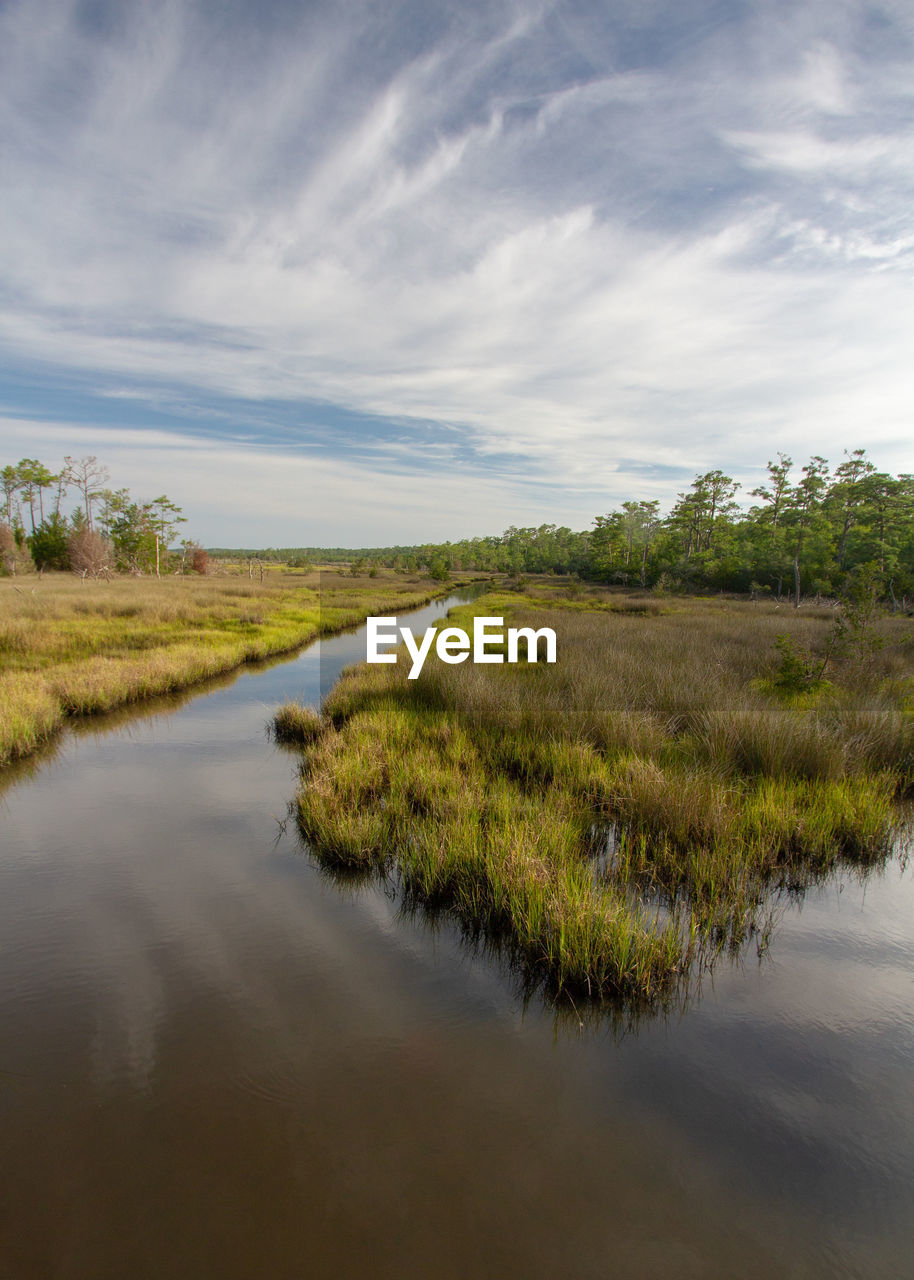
(363, 273)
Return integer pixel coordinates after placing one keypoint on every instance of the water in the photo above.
(217, 1062)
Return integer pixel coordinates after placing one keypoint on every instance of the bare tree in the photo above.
(91, 555)
(89, 477)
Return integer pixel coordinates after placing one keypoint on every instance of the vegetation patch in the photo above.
(294, 723)
(623, 815)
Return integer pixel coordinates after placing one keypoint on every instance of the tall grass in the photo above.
(406, 788)
(485, 785)
(73, 648)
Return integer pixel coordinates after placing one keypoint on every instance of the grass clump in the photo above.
(394, 788)
(623, 814)
(296, 724)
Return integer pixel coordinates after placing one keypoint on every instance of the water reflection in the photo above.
(214, 1061)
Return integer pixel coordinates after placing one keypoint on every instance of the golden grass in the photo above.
(69, 647)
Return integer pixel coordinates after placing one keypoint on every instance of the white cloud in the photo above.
(476, 231)
(803, 152)
(235, 494)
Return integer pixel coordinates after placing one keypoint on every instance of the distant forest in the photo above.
(807, 534)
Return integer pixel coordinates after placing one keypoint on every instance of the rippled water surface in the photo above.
(216, 1062)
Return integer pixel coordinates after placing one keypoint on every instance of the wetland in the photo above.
(221, 1055)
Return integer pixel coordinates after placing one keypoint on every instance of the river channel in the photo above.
(218, 1063)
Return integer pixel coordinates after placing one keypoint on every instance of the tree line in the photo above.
(810, 531)
(108, 530)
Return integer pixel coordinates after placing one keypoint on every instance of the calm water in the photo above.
(215, 1062)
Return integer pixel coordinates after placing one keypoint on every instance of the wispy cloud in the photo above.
(562, 235)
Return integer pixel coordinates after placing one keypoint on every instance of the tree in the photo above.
(883, 511)
(132, 535)
(439, 569)
(779, 488)
(112, 502)
(620, 543)
(27, 486)
(699, 512)
(14, 557)
(847, 495)
(62, 480)
(34, 478)
(49, 543)
(195, 557)
(770, 558)
(164, 518)
(89, 477)
(804, 515)
(11, 481)
(641, 522)
(139, 530)
(605, 547)
(91, 555)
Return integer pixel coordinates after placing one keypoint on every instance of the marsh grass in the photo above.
(73, 648)
(411, 789)
(483, 785)
(297, 724)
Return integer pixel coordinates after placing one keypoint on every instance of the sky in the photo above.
(367, 272)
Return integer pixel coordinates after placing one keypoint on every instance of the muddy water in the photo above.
(215, 1062)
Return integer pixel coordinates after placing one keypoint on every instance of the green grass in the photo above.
(297, 724)
(405, 786)
(655, 741)
(72, 648)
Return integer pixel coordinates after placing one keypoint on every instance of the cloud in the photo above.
(562, 238)
(236, 494)
(812, 156)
